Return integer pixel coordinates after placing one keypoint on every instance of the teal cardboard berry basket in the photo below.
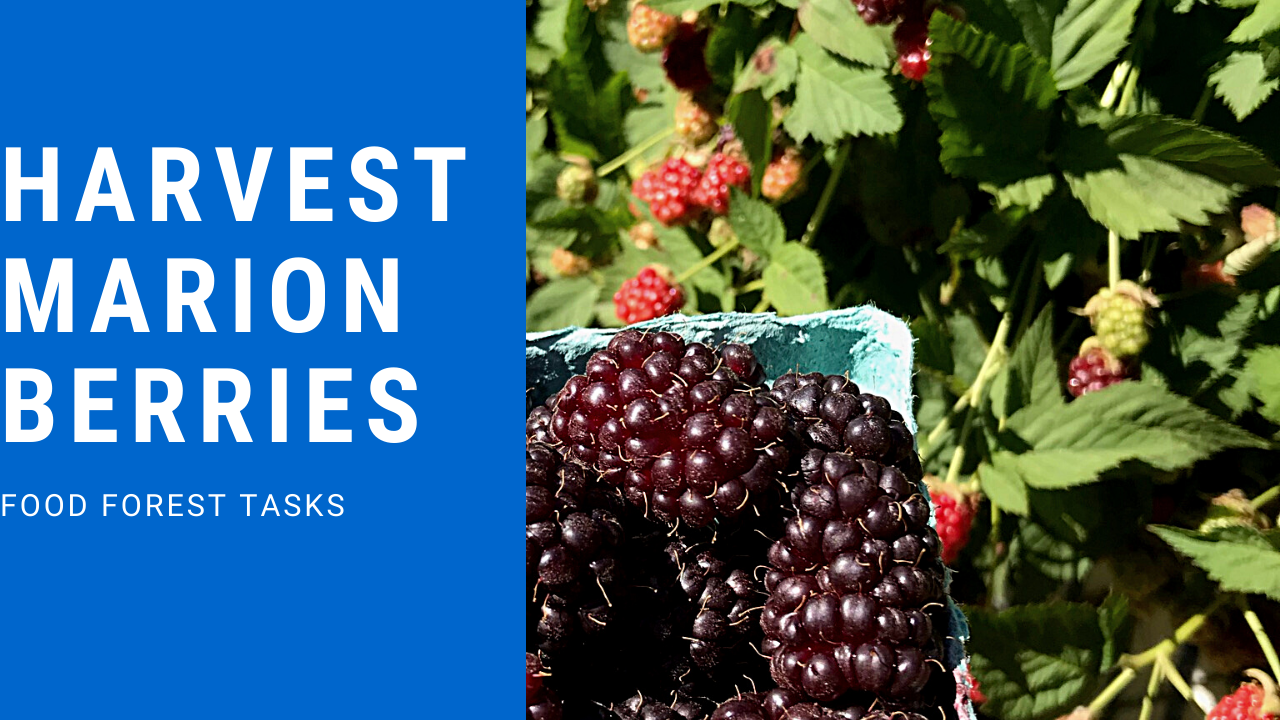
(869, 345)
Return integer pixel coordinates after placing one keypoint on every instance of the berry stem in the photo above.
(1162, 649)
(1153, 685)
(1255, 624)
(1113, 259)
(708, 261)
(1266, 497)
(1112, 689)
(1179, 683)
(753, 286)
(824, 201)
(635, 152)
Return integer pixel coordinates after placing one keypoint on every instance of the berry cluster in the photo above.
(953, 511)
(667, 189)
(652, 293)
(911, 36)
(783, 175)
(656, 488)
(679, 428)
(1255, 700)
(678, 192)
(1094, 369)
(649, 30)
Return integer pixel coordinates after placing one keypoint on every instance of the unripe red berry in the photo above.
(651, 293)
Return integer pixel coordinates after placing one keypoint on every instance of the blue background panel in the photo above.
(405, 605)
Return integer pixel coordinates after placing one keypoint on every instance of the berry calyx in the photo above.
(568, 263)
(577, 184)
(1094, 368)
(652, 293)
(694, 121)
(723, 171)
(1233, 509)
(1254, 700)
(650, 30)
(783, 176)
(668, 190)
(953, 511)
(685, 60)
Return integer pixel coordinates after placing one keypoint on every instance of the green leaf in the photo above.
(992, 101)
(561, 303)
(1072, 443)
(1146, 195)
(678, 7)
(794, 281)
(989, 237)
(1018, 21)
(1240, 559)
(756, 224)
(772, 69)
(731, 38)
(752, 121)
(1033, 371)
(1192, 147)
(1087, 36)
(1037, 661)
(1243, 83)
(548, 29)
(1263, 367)
(1114, 621)
(1262, 21)
(1004, 487)
(1029, 193)
(834, 100)
(836, 26)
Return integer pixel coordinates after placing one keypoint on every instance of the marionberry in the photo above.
(723, 171)
(667, 189)
(652, 293)
(685, 60)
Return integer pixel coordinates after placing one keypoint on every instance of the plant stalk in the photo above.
(1113, 259)
(1153, 685)
(633, 153)
(824, 201)
(708, 261)
(1266, 497)
(1255, 624)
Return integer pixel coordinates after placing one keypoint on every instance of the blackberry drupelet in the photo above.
(686, 433)
(781, 704)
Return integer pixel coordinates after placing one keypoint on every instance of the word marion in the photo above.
(243, 197)
(21, 293)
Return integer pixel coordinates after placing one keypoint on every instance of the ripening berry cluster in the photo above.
(911, 36)
(684, 517)
(679, 193)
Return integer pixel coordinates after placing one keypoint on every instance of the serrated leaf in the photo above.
(834, 100)
(1240, 559)
(836, 26)
(548, 29)
(988, 237)
(1004, 487)
(732, 37)
(1072, 443)
(1192, 147)
(1018, 21)
(1029, 193)
(794, 281)
(1033, 371)
(1146, 195)
(561, 303)
(535, 134)
(1087, 36)
(1243, 83)
(1263, 369)
(1114, 621)
(992, 101)
(772, 69)
(1035, 661)
(756, 223)
(1067, 234)
(1262, 21)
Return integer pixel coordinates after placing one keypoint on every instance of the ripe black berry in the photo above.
(855, 594)
(683, 434)
(684, 59)
(572, 533)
